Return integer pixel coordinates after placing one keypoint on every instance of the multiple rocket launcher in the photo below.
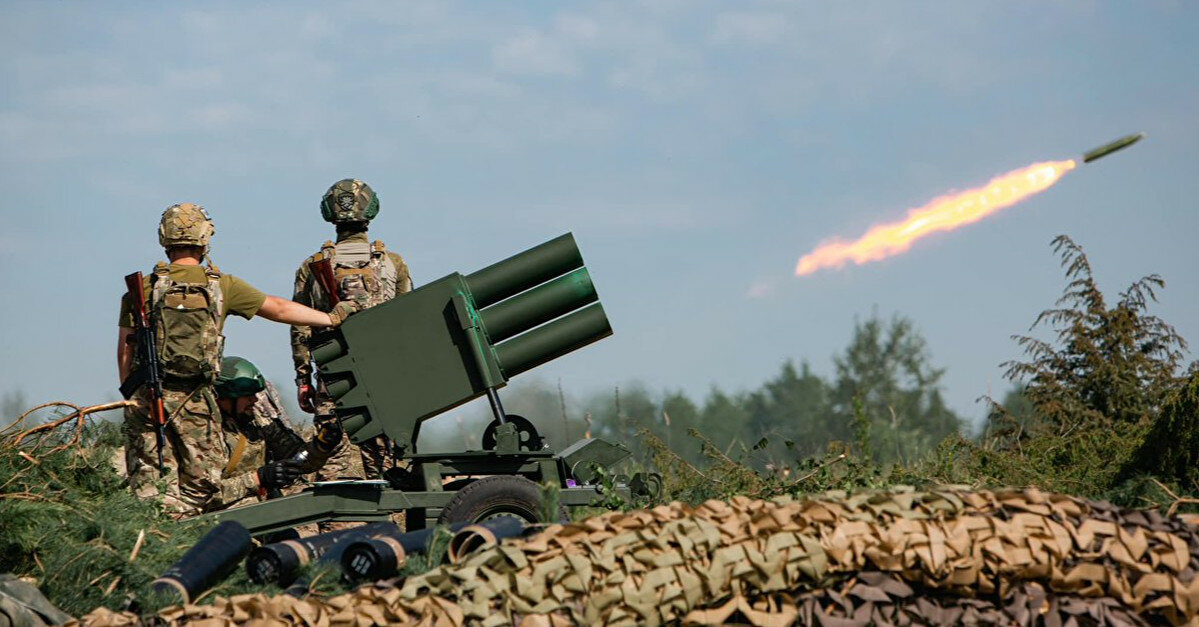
(462, 336)
(393, 366)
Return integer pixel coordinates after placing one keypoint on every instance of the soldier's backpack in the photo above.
(362, 271)
(187, 323)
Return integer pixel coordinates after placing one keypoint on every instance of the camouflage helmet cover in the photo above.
(349, 200)
(185, 224)
(239, 377)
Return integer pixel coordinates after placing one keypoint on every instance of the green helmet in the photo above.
(349, 200)
(185, 224)
(239, 378)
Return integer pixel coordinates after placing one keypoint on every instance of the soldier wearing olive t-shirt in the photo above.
(188, 304)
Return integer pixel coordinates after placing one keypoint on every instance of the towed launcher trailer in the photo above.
(394, 366)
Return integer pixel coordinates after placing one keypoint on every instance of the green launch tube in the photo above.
(550, 341)
(538, 305)
(524, 270)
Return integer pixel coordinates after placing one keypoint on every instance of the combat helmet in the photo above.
(349, 200)
(185, 224)
(239, 377)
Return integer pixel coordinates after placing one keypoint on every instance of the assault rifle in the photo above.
(146, 357)
(322, 271)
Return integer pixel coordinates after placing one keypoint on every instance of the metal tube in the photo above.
(539, 305)
(338, 388)
(550, 341)
(326, 352)
(524, 270)
(497, 408)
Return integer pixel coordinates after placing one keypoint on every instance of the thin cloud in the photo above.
(534, 54)
(750, 28)
(762, 288)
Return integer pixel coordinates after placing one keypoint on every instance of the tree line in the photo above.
(1102, 402)
(885, 395)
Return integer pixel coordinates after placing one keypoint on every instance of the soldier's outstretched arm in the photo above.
(300, 357)
(299, 335)
(291, 312)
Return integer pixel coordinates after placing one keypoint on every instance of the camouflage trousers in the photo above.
(194, 454)
(367, 462)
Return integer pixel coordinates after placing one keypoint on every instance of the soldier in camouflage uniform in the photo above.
(266, 454)
(363, 271)
(187, 305)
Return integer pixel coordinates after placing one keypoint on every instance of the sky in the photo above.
(696, 149)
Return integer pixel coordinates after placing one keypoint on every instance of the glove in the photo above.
(281, 442)
(279, 474)
(306, 397)
(328, 435)
(343, 310)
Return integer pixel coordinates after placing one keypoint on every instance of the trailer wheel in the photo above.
(492, 497)
(527, 437)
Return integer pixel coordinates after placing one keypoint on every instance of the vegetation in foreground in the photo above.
(1101, 411)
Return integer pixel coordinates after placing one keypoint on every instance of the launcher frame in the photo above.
(394, 366)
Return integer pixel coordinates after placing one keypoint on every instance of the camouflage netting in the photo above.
(875, 598)
(1009, 556)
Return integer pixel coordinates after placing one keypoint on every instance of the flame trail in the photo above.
(942, 214)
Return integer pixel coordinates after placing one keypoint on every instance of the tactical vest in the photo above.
(187, 323)
(361, 271)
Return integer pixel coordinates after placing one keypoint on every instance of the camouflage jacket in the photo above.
(382, 277)
(254, 439)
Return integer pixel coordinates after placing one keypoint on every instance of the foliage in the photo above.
(434, 555)
(1097, 411)
(885, 374)
(551, 503)
(838, 468)
(1097, 408)
(1171, 449)
(1107, 365)
(885, 396)
(71, 522)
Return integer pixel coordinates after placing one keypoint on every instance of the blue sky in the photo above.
(696, 149)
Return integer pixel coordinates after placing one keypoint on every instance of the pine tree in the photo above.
(1106, 364)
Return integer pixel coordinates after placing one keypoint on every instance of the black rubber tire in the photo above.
(498, 495)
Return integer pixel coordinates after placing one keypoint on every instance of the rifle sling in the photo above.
(238, 451)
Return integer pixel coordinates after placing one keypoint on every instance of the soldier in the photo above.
(188, 303)
(364, 271)
(264, 451)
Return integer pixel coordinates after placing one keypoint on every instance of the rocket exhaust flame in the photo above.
(942, 214)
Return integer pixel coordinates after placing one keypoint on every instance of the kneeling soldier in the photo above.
(265, 454)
